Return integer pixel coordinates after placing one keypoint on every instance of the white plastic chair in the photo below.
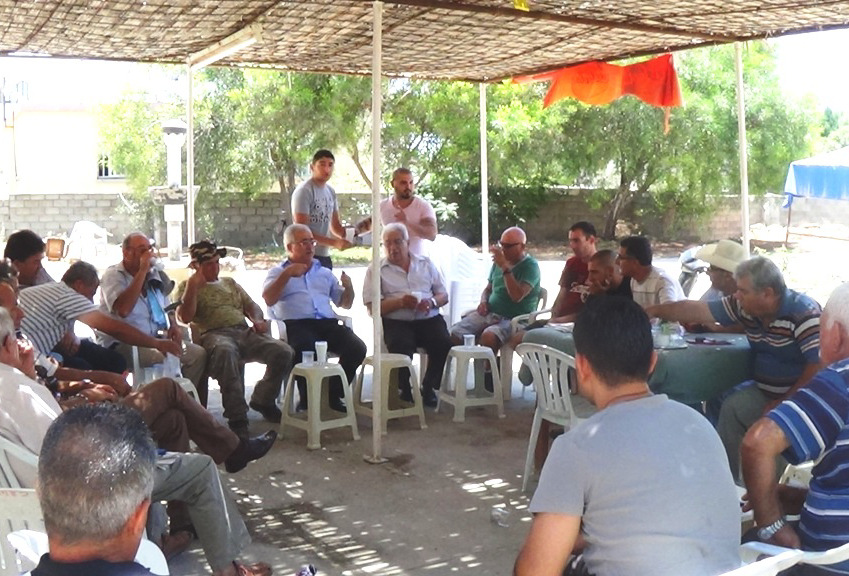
(550, 372)
(768, 566)
(798, 476)
(753, 550)
(8, 479)
(505, 354)
(87, 240)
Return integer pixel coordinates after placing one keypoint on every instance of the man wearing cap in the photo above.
(300, 291)
(218, 308)
(314, 204)
(723, 257)
(136, 292)
(783, 329)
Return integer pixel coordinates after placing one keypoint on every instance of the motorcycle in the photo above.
(692, 269)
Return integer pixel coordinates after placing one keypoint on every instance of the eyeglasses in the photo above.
(506, 245)
(305, 242)
(394, 242)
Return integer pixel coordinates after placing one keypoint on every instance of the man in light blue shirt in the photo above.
(299, 292)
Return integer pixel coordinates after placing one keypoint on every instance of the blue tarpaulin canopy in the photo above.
(822, 176)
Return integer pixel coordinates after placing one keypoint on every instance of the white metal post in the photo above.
(744, 155)
(190, 160)
(484, 174)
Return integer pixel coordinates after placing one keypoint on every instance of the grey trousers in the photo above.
(193, 479)
(226, 349)
(192, 362)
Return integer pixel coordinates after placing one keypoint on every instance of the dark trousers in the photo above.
(91, 356)
(404, 336)
(341, 340)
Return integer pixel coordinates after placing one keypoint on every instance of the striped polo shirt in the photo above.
(815, 421)
(48, 311)
(782, 348)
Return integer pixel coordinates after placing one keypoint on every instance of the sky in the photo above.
(805, 65)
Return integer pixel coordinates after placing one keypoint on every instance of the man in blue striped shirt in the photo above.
(812, 424)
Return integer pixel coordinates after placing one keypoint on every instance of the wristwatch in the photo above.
(767, 532)
(433, 303)
(506, 271)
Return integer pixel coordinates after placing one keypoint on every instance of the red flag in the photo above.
(653, 81)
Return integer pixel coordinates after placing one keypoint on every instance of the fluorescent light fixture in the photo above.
(233, 43)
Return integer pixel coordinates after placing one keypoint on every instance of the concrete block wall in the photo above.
(55, 214)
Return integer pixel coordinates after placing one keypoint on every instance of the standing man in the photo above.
(812, 424)
(783, 328)
(135, 292)
(513, 289)
(573, 280)
(300, 290)
(314, 204)
(640, 487)
(411, 210)
(219, 307)
(650, 285)
(411, 293)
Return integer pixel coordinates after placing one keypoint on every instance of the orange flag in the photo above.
(597, 83)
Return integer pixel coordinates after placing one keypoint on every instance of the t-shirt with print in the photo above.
(574, 280)
(319, 201)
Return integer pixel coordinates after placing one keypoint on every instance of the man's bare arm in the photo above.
(339, 242)
(425, 228)
(689, 311)
(548, 545)
(126, 333)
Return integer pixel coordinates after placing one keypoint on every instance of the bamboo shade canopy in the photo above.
(475, 40)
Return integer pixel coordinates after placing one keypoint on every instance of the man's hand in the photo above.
(99, 393)
(196, 280)
(409, 301)
(297, 270)
(786, 537)
(483, 308)
(167, 346)
(341, 244)
(498, 257)
(69, 344)
(401, 216)
(114, 381)
(26, 358)
(175, 332)
(346, 282)
(261, 327)
(145, 262)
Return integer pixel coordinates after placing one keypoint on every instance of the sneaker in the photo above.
(270, 412)
(249, 450)
(429, 397)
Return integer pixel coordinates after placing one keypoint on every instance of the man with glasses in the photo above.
(650, 285)
(218, 308)
(300, 291)
(512, 289)
(137, 293)
(411, 292)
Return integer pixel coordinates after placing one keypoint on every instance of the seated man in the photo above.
(172, 416)
(25, 249)
(812, 424)
(218, 307)
(649, 284)
(723, 257)
(26, 411)
(573, 280)
(95, 478)
(411, 292)
(300, 291)
(50, 307)
(513, 289)
(604, 276)
(641, 487)
(136, 293)
(783, 328)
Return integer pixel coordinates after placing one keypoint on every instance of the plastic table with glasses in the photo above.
(709, 365)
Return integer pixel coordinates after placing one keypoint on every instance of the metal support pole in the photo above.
(484, 174)
(190, 161)
(744, 158)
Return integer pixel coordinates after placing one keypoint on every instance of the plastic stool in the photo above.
(392, 406)
(315, 375)
(477, 396)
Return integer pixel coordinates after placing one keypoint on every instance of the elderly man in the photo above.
(640, 487)
(26, 411)
(413, 211)
(300, 291)
(512, 289)
(135, 292)
(411, 293)
(811, 424)
(650, 285)
(218, 308)
(95, 524)
(314, 205)
(723, 257)
(52, 306)
(783, 328)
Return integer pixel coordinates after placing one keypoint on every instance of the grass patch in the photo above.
(266, 257)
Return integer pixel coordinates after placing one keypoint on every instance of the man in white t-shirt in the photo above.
(650, 285)
(314, 204)
(411, 210)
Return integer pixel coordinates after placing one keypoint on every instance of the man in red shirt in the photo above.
(574, 287)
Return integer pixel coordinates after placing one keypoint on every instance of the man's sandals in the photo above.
(258, 569)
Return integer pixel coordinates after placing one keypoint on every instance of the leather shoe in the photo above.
(249, 450)
(429, 397)
(270, 411)
(406, 396)
(337, 404)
